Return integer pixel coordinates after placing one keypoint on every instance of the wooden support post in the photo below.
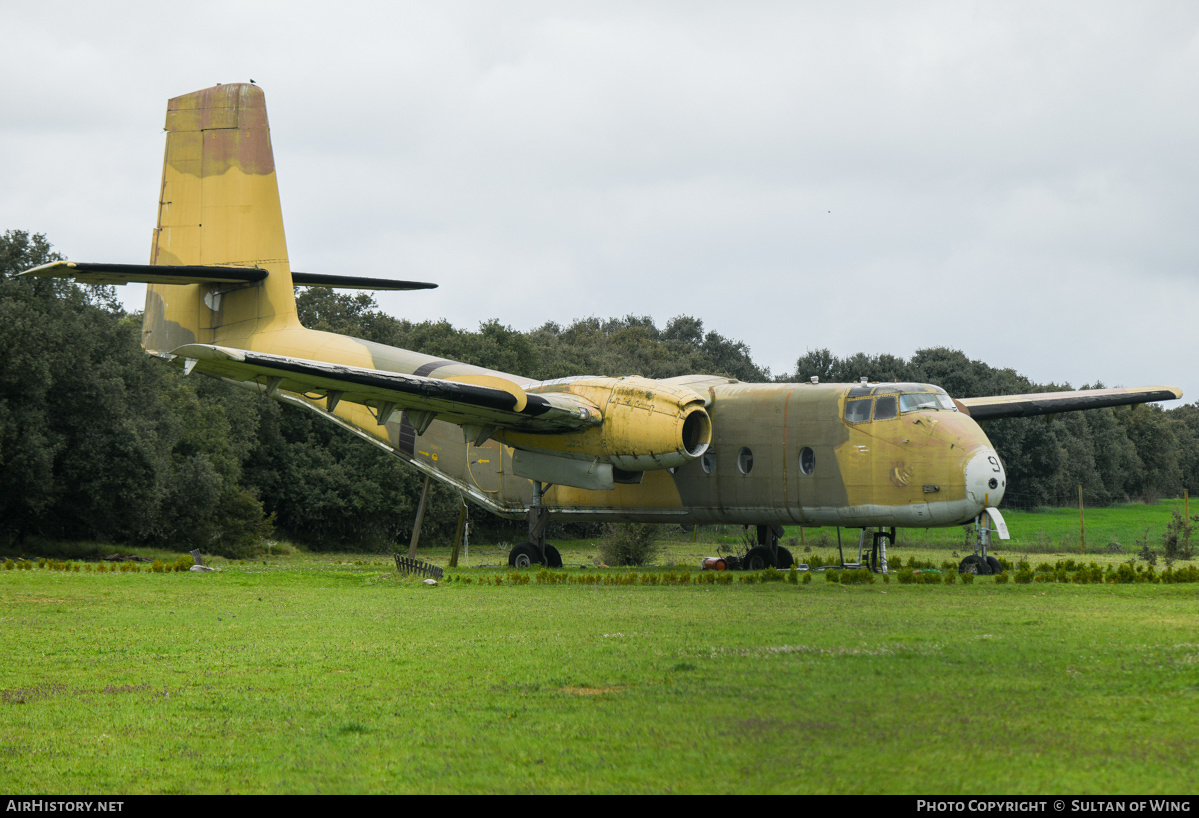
(1082, 529)
(458, 534)
(420, 516)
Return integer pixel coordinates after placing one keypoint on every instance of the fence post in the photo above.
(1082, 530)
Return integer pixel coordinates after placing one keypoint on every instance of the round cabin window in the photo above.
(708, 461)
(745, 460)
(807, 460)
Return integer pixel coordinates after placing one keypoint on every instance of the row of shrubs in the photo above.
(896, 563)
(547, 577)
(1067, 571)
(1093, 574)
(157, 567)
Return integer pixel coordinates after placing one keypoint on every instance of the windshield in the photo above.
(928, 399)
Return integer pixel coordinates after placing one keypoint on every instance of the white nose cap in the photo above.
(985, 479)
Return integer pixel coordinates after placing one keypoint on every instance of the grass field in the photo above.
(333, 674)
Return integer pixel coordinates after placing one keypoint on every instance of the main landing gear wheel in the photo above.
(974, 564)
(552, 558)
(785, 558)
(526, 554)
(758, 558)
(996, 566)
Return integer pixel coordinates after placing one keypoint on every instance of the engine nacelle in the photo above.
(647, 425)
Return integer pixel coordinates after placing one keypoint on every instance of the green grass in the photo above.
(1056, 530)
(333, 674)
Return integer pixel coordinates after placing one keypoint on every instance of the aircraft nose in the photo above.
(985, 478)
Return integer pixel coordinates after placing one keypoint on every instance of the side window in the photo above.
(745, 460)
(886, 408)
(708, 461)
(857, 411)
(807, 460)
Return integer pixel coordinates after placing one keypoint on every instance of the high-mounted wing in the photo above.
(470, 400)
(101, 273)
(1050, 403)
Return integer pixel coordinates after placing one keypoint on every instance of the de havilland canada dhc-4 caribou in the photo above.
(693, 449)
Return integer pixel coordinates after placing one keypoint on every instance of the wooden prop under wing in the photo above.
(1051, 403)
(474, 400)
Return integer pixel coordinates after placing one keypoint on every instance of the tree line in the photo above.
(100, 442)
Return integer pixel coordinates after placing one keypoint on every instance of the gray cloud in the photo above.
(1015, 180)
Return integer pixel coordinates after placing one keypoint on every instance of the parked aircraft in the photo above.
(693, 449)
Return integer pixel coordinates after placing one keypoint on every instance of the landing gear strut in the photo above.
(980, 562)
(876, 560)
(536, 550)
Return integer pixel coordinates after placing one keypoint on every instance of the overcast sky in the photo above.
(1015, 180)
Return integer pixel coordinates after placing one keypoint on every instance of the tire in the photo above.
(552, 558)
(758, 558)
(785, 558)
(996, 566)
(524, 555)
(970, 565)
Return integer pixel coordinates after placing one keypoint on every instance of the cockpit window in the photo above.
(910, 403)
(857, 411)
(927, 401)
(891, 399)
(885, 409)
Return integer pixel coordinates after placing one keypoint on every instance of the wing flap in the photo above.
(486, 402)
(1050, 403)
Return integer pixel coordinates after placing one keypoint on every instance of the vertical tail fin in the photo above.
(219, 206)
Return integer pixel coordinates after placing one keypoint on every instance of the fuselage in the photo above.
(855, 455)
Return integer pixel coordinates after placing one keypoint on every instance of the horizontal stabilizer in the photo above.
(489, 401)
(100, 273)
(356, 282)
(93, 273)
(1051, 403)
